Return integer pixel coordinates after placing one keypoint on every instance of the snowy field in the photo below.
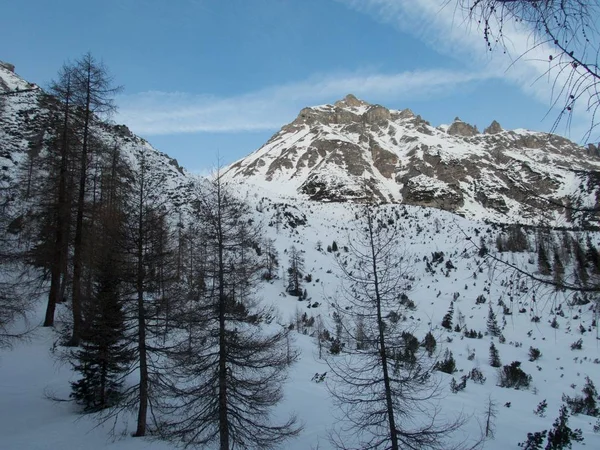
(30, 373)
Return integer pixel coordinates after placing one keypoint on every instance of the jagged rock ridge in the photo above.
(356, 151)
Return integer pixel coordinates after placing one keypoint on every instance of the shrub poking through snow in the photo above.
(534, 354)
(577, 345)
(477, 376)
(448, 364)
(586, 404)
(457, 387)
(540, 410)
(429, 343)
(512, 376)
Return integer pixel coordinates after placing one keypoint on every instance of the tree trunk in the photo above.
(143, 394)
(62, 218)
(78, 242)
(382, 346)
(223, 419)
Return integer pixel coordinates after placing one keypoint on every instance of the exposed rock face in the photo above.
(460, 128)
(494, 128)
(383, 160)
(355, 151)
(376, 114)
(425, 191)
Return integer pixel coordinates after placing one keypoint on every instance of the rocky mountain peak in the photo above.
(494, 128)
(350, 101)
(460, 128)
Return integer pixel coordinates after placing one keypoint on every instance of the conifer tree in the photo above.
(63, 89)
(149, 245)
(271, 259)
(104, 355)
(429, 343)
(494, 356)
(447, 320)
(593, 256)
(295, 272)
(543, 263)
(228, 373)
(580, 263)
(93, 95)
(558, 270)
(561, 436)
(378, 389)
(492, 322)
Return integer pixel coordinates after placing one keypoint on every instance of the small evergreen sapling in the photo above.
(429, 343)
(447, 320)
(561, 436)
(534, 354)
(494, 356)
(457, 387)
(540, 411)
(586, 404)
(492, 323)
(448, 364)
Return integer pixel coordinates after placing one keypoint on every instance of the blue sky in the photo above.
(209, 79)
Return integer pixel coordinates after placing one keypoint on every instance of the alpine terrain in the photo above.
(440, 279)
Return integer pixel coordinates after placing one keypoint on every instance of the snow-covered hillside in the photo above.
(29, 371)
(25, 133)
(290, 184)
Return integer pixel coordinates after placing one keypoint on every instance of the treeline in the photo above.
(161, 317)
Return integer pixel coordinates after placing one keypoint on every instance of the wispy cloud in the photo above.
(434, 22)
(154, 113)
(446, 29)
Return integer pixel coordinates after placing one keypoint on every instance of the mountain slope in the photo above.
(25, 111)
(355, 151)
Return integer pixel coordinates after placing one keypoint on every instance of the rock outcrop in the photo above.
(8, 66)
(494, 128)
(460, 128)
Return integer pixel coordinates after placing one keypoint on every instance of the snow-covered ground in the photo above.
(30, 373)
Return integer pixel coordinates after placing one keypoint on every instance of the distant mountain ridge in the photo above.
(356, 151)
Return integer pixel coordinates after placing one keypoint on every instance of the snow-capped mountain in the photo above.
(353, 150)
